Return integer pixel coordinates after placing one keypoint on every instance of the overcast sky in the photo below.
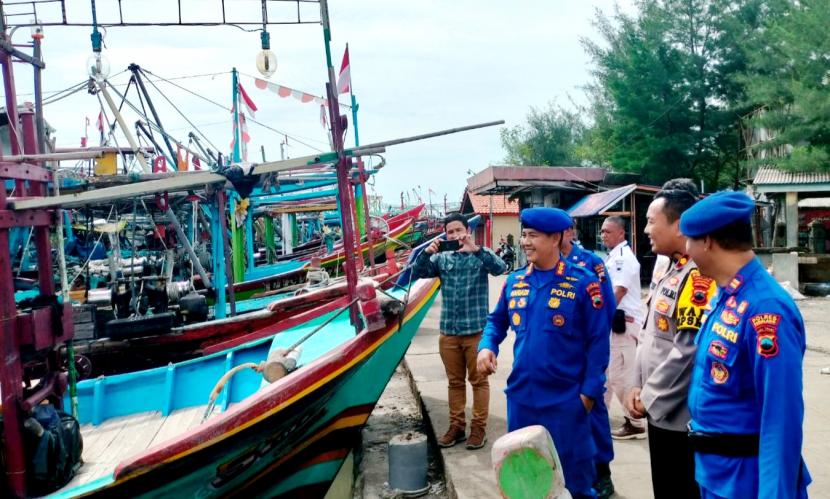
(417, 66)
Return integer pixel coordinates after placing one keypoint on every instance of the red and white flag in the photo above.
(344, 81)
(324, 118)
(101, 125)
(246, 99)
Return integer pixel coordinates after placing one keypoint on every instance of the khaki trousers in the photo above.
(459, 354)
(621, 367)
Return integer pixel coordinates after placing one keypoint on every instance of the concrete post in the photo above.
(791, 216)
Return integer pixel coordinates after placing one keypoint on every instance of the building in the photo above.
(500, 215)
(589, 194)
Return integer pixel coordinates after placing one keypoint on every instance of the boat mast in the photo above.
(343, 168)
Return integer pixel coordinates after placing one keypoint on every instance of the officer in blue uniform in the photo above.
(746, 396)
(600, 423)
(561, 349)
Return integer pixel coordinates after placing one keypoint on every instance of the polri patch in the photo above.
(766, 325)
(558, 320)
(673, 281)
(662, 322)
(512, 303)
(522, 303)
(554, 302)
(742, 307)
(662, 306)
(719, 373)
(718, 349)
(732, 302)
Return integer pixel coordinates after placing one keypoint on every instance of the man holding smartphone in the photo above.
(462, 267)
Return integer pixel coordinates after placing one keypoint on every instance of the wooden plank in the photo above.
(108, 444)
(55, 156)
(178, 422)
(181, 182)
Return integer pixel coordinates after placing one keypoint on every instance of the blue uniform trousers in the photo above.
(736, 477)
(601, 431)
(569, 425)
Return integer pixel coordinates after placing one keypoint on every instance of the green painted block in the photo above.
(526, 474)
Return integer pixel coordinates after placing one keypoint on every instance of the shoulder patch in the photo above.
(595, 293)
(599, 269)
(700, 288)
(766, 326)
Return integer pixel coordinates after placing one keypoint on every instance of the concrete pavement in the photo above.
(471, 474)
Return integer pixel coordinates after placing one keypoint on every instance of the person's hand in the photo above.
(433, 247)
(467, 244)
(587, 402)
(633, 403)
(486, 362)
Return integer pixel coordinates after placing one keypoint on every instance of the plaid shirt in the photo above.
(464, 286)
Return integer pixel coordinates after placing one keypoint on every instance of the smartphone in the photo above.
(451, 245)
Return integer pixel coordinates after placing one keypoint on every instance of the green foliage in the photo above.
(674, 86)
(788, 78)
(551, 137)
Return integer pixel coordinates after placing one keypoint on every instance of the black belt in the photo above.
(724, 444)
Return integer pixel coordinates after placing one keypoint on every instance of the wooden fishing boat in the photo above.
(259, 278)
(144, 438)
(112, 356)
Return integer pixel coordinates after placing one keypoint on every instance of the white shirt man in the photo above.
(624, 271)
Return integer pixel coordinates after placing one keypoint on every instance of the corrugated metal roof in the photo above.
(594, 204)
(771, 175)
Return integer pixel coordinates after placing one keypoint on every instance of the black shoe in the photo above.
(604, 487)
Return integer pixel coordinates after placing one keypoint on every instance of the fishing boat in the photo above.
(291, 400)
(144, 436)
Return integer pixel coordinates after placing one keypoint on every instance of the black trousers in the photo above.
(672, 464)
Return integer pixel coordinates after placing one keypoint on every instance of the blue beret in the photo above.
(547, 220)
(712, 213)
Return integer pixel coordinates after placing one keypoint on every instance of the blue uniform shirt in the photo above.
(747, 379)
(589, 260)
(562, 343)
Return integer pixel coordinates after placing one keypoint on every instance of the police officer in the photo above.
(746, 396)
(666, 350)
(561, 347)
(600, 423)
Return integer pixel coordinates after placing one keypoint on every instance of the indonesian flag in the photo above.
(324, 118)
(101, 125)
(243, 127)
(344, 81)
(246, 99)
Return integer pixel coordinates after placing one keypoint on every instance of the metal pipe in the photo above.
(343, 167)
(59, 156)
(136, 70)
(39, 125)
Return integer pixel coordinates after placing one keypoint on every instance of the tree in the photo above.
(664, 89)
(789, 79)
(551, 137)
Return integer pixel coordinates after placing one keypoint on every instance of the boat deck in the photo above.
(117, 439)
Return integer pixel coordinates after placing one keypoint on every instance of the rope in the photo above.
(220, 385)
(179, 111)
(248, 118)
